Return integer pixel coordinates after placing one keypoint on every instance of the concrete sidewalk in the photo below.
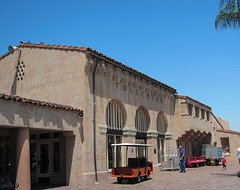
(207, 177)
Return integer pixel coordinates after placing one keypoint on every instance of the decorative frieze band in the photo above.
(153, 134)
(133, 83)
(129, 132)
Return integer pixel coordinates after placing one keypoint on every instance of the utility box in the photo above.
(213, 155)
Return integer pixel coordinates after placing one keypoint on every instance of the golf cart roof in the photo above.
(131, 144)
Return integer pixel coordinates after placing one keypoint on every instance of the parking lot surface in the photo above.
(206, 177)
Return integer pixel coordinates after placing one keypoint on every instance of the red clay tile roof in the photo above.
(6, 54)
(39, 103)
(228, 131)
(94, 52)
(187, 97)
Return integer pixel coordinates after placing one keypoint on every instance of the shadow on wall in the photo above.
(39, 117)
(70, 144)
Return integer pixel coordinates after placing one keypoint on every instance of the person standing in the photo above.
(182, 159)
(224, 163)
(238, 154)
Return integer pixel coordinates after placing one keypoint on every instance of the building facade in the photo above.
(61, 108)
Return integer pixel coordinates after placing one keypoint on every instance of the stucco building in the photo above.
(61, 108)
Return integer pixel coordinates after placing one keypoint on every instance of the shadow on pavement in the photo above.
(225, 175)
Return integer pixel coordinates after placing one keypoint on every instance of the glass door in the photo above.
(43, 160)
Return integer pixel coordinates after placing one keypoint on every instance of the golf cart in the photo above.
(137, 166)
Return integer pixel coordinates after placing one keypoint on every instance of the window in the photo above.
(202, 113)
(33, 157)
(56, 162)
(44, 135)
(160, 148)
(190, 109)
(141, 120)
(161, 123)
(115, 117)
(114, 153)
(208, 116)
(197, 112)
(4, 155)
(225, 144)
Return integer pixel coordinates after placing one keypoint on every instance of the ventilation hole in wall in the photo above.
(21, 78)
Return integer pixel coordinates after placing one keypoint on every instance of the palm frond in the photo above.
(229, 15)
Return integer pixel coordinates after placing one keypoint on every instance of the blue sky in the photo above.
(174, 41)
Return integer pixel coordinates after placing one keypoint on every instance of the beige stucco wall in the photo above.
(224, 123)
(234, 144)
(185, 122)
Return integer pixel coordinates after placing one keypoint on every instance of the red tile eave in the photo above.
(4, 55)
(38, 103)
(49, 46)
(228, 131)
(187, 97)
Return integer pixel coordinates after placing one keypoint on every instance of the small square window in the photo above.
(225, 144)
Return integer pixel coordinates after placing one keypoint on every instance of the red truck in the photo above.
(135, 168)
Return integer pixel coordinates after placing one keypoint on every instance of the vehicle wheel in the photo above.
(119, 180)
(139, 178)
(208, 163)
(147, 177)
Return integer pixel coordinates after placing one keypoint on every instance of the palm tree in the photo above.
(229, 15)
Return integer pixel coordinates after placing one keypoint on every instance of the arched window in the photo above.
(115, 120)
(161, 123)
(115, 116)
(162, 129)
(141, 120)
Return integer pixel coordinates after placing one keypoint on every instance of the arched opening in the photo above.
(115, 120)
(195, 142)
(142, 121)
(162, 124)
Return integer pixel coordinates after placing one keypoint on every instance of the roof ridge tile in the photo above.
(38, 102)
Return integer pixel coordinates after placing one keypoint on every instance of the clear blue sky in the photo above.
(174, 41)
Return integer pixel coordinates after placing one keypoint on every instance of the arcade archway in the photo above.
(195, 142)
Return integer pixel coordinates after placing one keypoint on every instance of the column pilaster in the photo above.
(23, 159)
